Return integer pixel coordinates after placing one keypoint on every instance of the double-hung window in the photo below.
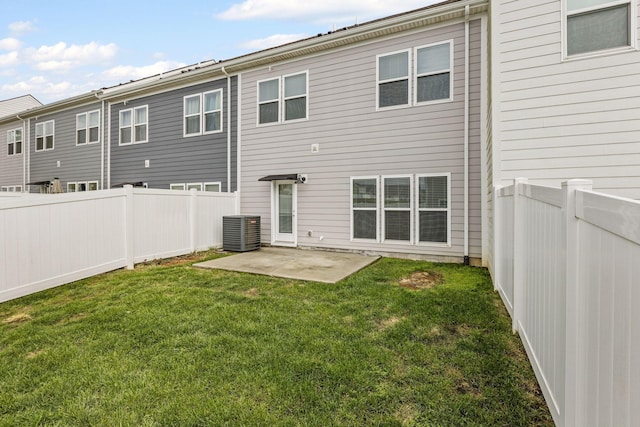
(14, 142)
(433, 72)
(597, 25)
(283, 99)
(393, 79)
(44, 135)
(397, 208)
(88, 128)
(433, 208)
(134, 127)
(203, 113)
(364, 207)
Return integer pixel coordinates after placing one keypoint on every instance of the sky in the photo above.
(55, 49)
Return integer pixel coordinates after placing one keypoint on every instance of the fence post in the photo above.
(575, 309)
(497, 236)
(129, 227)
(518, 250)
(193, 218)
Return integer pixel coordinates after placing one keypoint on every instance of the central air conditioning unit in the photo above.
(240, 233)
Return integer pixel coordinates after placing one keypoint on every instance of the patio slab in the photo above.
(317, 266)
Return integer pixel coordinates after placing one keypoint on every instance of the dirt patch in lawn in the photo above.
(422, 280)
(387, 323)
(17, 318)
(183, 259)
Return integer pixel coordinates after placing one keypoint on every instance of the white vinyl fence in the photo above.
(566, 263)
(50, 240)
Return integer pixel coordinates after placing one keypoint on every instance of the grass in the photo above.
(171, 345)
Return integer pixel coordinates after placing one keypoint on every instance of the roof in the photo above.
(11, 107)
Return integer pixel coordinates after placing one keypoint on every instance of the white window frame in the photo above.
(202, 113)
(133, 125)
(416, 75)
(283, 117)
(12, 141)
(71, 187)
(379, 82)
(633, 11)
(43, 127)
(196, 185)
(384, 209)
(88, 128)
(178, 186)
(11, 189)
(278, 100)
(218, 183)
(418, 209)
(353, 209)
(75, 187)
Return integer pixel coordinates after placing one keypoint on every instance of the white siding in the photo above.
(356, 140)
(562, 119)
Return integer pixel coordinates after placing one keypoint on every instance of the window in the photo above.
(196, 185)
(595, 25)
(215, 187)
(293, 99)
(177, 186)
(88, 128)
(393, 79)
(133, 125)
(44, 135)
(73, 187)
(269, 101)
(397, 208)
(11, 189)
(364, 208)
(203, 111)
(14, 142)
(433, 72)
(433, 208)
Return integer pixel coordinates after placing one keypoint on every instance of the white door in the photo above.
(283, 222)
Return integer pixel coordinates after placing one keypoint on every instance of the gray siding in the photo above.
(11, 167)
(77, 162)
(172, 157)
(356, 140)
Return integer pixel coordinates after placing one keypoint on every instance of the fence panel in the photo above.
(211, 207)
(503, 243)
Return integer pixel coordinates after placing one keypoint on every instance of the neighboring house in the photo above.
(65, 141)
(566, 93)
(173, 138)
(383, 122)
(12, 142)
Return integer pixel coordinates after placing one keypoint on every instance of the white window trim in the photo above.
(196, 185)
(11, 189)
(44, 136)
(416, 185)
(378, 81)
(87, 128)
(218, 183)
(258, 102)
(633, 22)
(178, 186)
(10, 142)
(76, 186)
(133, 125)
(410, 209)
(202, 113)
(284, 98)
(377, 209)
(71, 184)
(416, 76)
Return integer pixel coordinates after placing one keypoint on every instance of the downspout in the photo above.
(25, 150)
(228, 129)
(108, 145)
(101, 142)
(466, 135)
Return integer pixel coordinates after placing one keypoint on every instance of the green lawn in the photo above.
(168, 344)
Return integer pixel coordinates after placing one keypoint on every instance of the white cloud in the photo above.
(21, 27)
(10, 44)
(122, 73)
(40, 85)
(79, 54)
(9, 59)
(327, 11)
(271, 41)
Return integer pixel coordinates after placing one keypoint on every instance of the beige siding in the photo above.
(562, 119)
(356, 140)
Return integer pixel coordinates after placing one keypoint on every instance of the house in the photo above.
(12, 139)
(566, 98)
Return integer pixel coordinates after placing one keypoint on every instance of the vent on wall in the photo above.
(240, 233)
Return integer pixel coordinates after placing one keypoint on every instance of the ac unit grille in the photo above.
(240, 233)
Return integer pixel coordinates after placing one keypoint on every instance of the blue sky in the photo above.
(57, 49)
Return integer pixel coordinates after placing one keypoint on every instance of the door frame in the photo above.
(275, 240)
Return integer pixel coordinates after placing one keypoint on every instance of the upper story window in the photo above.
(430, 76)
(14, 142)
(203, 113)
(88, 127)
(596, 25)
(44, 135)
(283, 99)
(133, 125)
